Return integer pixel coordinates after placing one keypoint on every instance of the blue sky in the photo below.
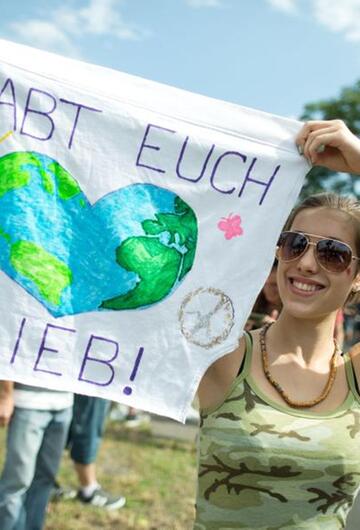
(274, 55)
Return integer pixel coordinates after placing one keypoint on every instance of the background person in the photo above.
(339, 333)
(38, 421)
(86, 432)
(268, 303)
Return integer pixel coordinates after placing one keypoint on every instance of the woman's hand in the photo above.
(330, 144)
(269, 319)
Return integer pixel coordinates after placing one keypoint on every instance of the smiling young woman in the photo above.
(279, 435)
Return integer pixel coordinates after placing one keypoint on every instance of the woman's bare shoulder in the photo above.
(355, 358)
(218, 378)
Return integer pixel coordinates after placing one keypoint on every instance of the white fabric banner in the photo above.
(137, 224)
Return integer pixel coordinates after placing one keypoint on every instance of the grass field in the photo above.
(156, 475)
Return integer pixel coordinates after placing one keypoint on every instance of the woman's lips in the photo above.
(305, 287)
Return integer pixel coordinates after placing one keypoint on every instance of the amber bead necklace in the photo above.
(278, 387)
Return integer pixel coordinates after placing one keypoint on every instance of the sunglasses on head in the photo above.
(331, 254)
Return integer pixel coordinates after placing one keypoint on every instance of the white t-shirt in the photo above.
(32, 397)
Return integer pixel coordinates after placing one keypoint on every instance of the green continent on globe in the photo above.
(146, 257)
(50, 275)
(12, 174)
(181, 225)
(15, 172)
(5, 235)
(157, 265)
(67, 186)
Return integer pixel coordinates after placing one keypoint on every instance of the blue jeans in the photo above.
(87, 428)
(35, 442)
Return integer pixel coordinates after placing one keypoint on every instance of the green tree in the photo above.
(345, 107)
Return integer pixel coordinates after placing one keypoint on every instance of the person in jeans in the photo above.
(86, 432)
(38, 422)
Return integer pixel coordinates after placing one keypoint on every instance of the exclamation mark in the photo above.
(128, 390)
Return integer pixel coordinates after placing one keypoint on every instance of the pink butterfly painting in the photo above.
(231, 226)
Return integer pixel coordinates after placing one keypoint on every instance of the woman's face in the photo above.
(306, 289)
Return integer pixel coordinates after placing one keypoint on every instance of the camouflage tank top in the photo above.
(265, 466)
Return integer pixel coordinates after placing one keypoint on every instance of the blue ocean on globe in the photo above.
(51, 236)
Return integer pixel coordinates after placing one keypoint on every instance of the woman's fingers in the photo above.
(311, 131)
(330, 144)
(317, 143)
(308, 128)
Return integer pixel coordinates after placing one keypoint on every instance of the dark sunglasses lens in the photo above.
(291, 245)
(334, 256)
